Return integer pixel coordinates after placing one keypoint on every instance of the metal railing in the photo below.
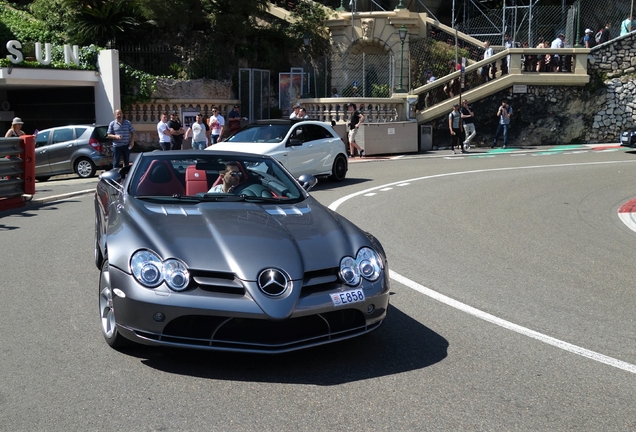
(434, 99)
(17, 170)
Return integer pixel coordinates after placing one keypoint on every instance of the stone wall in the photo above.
(192, 89)
(595, 113)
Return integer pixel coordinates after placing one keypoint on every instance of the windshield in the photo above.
(261, 133)
(213, 178)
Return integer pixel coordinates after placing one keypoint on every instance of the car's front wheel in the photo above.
(85, 168)
(107, 311)
(339, 170)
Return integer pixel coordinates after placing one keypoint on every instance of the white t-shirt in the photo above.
(161, 127)
(198, 132)
(216, 122)
(557, 43)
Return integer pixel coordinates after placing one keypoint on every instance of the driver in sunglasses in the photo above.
(232, 176)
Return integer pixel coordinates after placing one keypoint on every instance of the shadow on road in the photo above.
(31, 211)
(325, 184)
(401, 344)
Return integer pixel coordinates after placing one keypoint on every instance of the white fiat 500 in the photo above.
(303, 147)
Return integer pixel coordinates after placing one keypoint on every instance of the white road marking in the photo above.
(386, 189)
(610, 361)
(514, 327)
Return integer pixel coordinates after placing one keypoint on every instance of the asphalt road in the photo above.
(512, 309)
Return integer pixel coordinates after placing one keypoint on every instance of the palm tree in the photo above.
(101, 22)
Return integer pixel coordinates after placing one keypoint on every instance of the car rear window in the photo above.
(100, 132)
(79, 131)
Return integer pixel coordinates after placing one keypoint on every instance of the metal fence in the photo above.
(361, 75)
(527, 21)
(190, 62)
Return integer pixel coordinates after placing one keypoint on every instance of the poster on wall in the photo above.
(188, 116)
(289, 90)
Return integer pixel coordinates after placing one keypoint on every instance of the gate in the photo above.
(254, 93)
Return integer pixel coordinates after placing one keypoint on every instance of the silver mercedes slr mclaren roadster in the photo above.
(227, 251)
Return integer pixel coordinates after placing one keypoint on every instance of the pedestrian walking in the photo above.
(628, 25)
(454, 125)
(605, 34)
(488, 52)
(216, 123)
(468, 121)
(200, 132)
(122, 133)
(354, 123)
(504, 112)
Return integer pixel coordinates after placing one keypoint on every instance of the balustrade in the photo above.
(375, 110)
(150, 113)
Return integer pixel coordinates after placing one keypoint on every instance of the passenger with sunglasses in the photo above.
(232, 176)
(217, 124)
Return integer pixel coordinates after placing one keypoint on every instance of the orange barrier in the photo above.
(17, 170)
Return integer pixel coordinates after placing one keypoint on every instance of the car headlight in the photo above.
(150, 271)
(367, 265)
(349, 271)
(176, 274)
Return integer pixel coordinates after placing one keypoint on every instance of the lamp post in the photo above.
(306, 43)
(577, 41)
(403, 31)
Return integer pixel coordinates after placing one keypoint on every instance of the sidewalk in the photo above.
(69, 185)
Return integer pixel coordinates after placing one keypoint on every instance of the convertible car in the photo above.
(227, 251)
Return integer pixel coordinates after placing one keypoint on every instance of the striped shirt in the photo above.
(124, 129)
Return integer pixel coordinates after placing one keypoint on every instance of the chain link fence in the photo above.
(527, 21)
(360, 75)
(190, 62)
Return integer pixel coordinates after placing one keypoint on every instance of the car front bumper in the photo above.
(628, 140)
(233, 322)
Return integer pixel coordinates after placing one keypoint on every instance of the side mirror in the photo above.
(111, 176)
(294, 142)
(307, 181)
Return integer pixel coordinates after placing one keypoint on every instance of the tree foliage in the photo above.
(102, 22)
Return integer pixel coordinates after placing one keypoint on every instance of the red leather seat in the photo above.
(159, 180)
(196, 180)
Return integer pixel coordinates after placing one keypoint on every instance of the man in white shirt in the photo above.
(556, 59)
(488, 52)
(216, 124)
(164, 132)
(199, 132)
(294, 114)
(507, 45)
